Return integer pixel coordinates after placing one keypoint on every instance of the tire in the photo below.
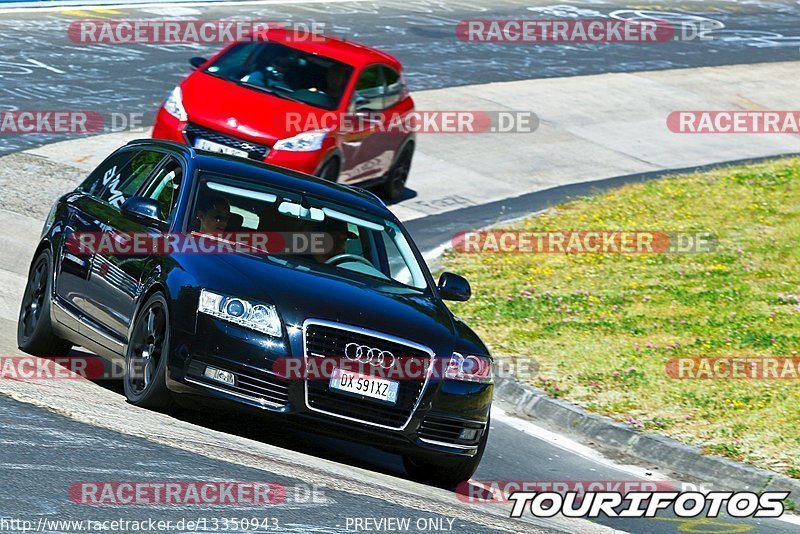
(145, 378)
(397, 176)
(330, 171)
(445, 473)
(34, 328)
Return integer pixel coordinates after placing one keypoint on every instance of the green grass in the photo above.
(601, 327)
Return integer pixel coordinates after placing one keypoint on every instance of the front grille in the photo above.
(254, 150)
(330, 341)
(253, 384)
(447, 430)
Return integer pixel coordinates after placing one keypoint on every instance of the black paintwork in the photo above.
(96, 300)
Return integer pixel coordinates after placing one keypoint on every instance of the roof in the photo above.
(352, 197)
(349, 52)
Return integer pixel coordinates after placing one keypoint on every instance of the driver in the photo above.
(340, 234)
(335, 82)
(273, 75)
(212, 215)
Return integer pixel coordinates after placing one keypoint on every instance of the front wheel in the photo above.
(445, 473)
(34, 329)
(330, 171)
(145, 380)
(397, 176)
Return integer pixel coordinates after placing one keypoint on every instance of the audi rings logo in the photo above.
(364, 354)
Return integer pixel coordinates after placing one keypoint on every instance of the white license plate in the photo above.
(369, 386)
(211, 146)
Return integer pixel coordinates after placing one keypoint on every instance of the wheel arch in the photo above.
(47, 245)
(411, 141)
(334, 154)
(150, 288)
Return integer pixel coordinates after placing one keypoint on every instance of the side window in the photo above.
(165, 186)
(93, 185)
(121, 182)
(370, 89)
(394, 87)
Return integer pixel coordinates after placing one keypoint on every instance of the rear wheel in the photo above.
(397, 176)
(447, 472)
(34, 329)
(145, 380)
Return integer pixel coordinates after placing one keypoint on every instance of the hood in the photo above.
(300, 295)
(243, 112)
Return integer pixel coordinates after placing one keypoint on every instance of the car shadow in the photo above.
(273, 432)
(406, 194)
(245, 424)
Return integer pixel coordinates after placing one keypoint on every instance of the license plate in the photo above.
(211, 146)
(369, 386)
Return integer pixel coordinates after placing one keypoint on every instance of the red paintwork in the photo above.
(364, 154)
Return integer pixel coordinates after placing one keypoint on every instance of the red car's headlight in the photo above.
(174, 105)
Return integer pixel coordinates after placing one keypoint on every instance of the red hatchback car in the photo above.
(319, 105)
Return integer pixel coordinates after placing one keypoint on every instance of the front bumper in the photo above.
(170, 128)
(444, 411)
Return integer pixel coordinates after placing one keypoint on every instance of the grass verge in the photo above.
(602, 327)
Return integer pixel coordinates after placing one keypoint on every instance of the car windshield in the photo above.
(353, 245)
(284, 72)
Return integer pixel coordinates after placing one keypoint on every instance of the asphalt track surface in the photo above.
(42, 453)
(41, 68)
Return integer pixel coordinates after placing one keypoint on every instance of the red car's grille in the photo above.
(254, 150)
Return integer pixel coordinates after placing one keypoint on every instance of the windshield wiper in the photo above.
(269, 91)
(215, 75)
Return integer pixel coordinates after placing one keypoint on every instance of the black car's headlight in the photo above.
(469, 368)
(253, 315)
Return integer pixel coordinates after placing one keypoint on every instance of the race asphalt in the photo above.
(41, 68)
(43, 453)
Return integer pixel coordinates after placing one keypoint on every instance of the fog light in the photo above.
(220, 376)
(469, 434)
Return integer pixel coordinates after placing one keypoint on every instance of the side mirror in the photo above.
(197, 62)
(454, 287)
(143, 210)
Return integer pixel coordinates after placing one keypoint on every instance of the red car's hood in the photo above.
(242, 112)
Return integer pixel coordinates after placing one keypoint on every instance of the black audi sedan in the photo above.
(226, 326)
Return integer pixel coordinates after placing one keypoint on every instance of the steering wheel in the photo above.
(341, 258)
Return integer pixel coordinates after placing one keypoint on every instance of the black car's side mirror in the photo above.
(454, 287)
(143, 210)
(197, 62)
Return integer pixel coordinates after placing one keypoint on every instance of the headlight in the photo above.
(174, 105)
(469, 368)
(303, 142)
(259, 317)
